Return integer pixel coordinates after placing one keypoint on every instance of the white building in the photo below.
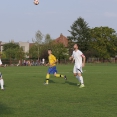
(24, 45)
(1, 47)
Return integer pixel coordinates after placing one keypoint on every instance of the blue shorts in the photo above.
(52, 70)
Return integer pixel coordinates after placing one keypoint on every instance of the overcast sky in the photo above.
(20, 19)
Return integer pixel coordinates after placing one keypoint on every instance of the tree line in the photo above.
(37, 51)
(98, 42)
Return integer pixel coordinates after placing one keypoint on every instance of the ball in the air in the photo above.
(36, 2)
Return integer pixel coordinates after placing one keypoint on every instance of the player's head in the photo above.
(75, 46)
(49, 51)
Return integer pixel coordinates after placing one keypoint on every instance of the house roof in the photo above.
(62, 39)
(31, 44)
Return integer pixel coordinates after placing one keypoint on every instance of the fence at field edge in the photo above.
(62, 61)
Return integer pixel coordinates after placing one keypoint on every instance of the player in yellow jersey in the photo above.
(52, 67)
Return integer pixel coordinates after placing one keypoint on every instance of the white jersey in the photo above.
(77, 56)
(0, 62)
(43, 61)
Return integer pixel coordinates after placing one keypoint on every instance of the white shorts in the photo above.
(77, 69)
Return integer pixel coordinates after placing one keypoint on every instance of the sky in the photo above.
(21, 19)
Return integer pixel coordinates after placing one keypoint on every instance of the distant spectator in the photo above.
(32, 63)
(36, 62)
(24, 63)
(115, 58)
(43, 61)
(19, 63)
(40, 62)
(28, 63)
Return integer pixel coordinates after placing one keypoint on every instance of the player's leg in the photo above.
(2, 84)
(80, 77)
(58, 75)
(48, 76)
(76, 74)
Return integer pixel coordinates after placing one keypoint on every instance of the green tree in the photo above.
(10, 46)
(3, 55)
(33, 52)
(10, 50)
(80, 34)
(48, 39)
(104, 41)
(38, 42)
(10, 54)
(19, 54)
(60, 51)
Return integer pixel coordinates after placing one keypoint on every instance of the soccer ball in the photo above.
(36, 2)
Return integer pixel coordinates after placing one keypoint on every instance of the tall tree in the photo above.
(104, 41)
(38, 41)
(48, 38)
(80, 34)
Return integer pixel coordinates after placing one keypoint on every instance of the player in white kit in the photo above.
(1, 82)
(79, 59)
(1, 63)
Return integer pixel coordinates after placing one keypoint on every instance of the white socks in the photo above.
(80, 79)
(2, 84)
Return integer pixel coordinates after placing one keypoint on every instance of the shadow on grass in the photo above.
(5, 110)
(5, 86)
(51, 81)
(71, 83)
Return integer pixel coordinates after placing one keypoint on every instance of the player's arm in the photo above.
(83, 60)
(71, 57)
(47, 64)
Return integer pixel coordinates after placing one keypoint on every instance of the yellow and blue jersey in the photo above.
(52, 60)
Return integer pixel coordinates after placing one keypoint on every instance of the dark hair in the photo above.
(49, 50)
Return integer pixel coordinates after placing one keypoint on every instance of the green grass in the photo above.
(26, 96)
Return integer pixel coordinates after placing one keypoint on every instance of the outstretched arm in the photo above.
(71, 57)
(84, 60)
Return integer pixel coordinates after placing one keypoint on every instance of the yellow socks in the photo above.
(47, 78)
(59, 75)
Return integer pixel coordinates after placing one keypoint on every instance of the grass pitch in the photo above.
(26, 96)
